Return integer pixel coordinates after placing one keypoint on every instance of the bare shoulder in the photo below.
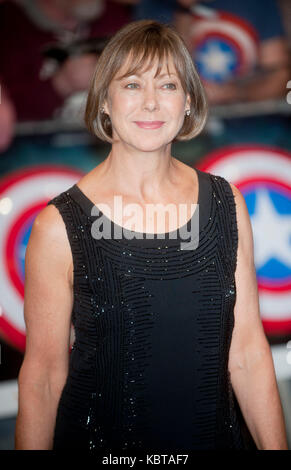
(49, 240)
(49, 227)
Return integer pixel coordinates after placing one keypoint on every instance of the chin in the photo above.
(148, 144)
(150, 147)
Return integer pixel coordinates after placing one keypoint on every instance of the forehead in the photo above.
(156, 66)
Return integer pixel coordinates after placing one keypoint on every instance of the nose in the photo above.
(150, 99)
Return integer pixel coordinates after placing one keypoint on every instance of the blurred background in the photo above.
(48, 53)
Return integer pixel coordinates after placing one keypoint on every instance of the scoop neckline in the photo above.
(143, 235)
(153, 240)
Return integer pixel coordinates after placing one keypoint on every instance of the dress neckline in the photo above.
(203, 189)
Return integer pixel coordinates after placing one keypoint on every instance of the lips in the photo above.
(149, 124)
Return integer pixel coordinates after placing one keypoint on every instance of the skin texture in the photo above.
(141, 169)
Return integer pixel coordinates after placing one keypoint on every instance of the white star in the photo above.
(272, 232)
(215, 60)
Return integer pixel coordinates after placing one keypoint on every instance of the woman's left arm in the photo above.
(250, 359)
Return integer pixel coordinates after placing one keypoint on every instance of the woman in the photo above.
(156, 364)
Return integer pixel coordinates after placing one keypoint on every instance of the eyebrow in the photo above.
(138, 75)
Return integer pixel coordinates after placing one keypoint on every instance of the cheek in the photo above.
(174, 106)
(121, 103)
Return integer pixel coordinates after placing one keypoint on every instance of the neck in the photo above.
(145, 175)
(56, 12)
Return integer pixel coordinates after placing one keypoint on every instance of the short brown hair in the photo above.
(144, 41)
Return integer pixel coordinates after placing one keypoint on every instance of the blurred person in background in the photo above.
(33, 85)
(241, 53)
(240, 50)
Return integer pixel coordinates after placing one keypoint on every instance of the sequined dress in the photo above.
(153, 322)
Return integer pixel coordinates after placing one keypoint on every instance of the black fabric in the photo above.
(153, 326)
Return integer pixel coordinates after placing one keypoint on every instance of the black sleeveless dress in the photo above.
(153, 324)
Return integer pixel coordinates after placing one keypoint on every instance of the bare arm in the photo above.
(47, 311)
(250, 359)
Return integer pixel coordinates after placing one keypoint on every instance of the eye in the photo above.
(170, 86)
(129, 85)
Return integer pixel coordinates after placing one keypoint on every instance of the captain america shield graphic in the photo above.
(263, 175)
(224, 46)
(23, 194)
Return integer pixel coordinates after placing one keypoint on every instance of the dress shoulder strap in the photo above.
(226, 210)
(72, 217)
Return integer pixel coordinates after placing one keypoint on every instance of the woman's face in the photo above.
(146, 112)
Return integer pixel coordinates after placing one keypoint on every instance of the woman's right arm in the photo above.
(48, 302)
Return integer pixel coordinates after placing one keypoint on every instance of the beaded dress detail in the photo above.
(153, 324)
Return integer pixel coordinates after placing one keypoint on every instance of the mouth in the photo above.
(149, 124)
